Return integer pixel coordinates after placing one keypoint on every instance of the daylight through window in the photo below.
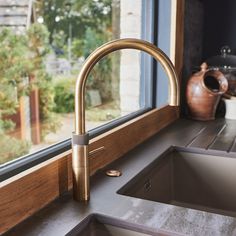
(43, 44)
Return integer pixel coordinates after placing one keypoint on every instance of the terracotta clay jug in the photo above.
(204, 90)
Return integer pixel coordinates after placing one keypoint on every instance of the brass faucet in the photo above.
(80, 139)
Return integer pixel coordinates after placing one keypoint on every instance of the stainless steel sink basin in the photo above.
(100, 225)
(198, 181)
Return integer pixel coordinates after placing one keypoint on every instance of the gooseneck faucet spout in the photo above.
(80, 139)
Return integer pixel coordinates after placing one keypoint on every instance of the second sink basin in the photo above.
(198, 181)
(100, 225)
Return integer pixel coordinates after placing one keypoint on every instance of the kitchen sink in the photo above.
(187, 179)
(100, 225)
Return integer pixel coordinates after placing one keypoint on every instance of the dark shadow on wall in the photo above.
(219, 26)
(193, 41)
(209, 25)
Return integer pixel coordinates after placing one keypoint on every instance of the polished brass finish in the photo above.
(107, 48)
(113, 173)
(80, 154)
(80, 172)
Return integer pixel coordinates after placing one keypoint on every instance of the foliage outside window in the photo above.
(22, 58)
(43, 62)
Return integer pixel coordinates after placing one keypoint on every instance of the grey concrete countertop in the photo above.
(62, 215)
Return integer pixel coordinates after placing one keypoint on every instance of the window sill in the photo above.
(26, 193)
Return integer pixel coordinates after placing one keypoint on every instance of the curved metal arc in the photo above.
(108, 48)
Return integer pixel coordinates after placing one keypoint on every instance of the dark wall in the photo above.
(208, 25)
(193, 43)
(219, 26)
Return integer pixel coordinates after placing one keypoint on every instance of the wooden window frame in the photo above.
(27, 192)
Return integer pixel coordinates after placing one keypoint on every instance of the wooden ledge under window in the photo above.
(26, 193)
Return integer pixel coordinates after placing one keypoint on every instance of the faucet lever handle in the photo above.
(93, 152)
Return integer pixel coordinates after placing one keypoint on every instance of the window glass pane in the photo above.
(165, 15)
(42, 48)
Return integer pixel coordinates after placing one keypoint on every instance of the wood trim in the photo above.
(24, 194)
(29, 191)
(179, 37)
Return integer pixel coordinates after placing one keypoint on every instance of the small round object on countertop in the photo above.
(113, 173)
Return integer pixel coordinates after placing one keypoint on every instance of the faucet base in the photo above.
(80, 172)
